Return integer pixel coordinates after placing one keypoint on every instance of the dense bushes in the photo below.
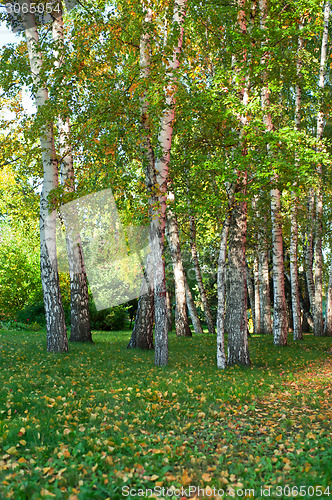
(107, 320)
(20, 282)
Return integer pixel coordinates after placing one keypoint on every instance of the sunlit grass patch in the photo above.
(90, 421)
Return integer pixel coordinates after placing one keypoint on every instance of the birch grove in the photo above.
(211, 125)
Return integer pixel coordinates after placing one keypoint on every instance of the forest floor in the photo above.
(103, 422)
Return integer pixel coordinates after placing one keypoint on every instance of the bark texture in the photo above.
(279, 309)
(238, 348)
(251, 294)
(279, 306)
(257, 322)
(142, 334)
(198, 274)
(318, 314)
(328, 315)
(169, 311)
(295, 292)
(296, 310)
(55, 319)
(181, 315)
(79, 296)
(162, 169)
(221, 285)
(264, 286)
(192, 309)
(309, 250)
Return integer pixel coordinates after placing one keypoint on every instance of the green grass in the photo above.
(84, 424)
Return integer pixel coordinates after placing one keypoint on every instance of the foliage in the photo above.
(19, 268)
(107, 319)
(32, 313)
(85, 425)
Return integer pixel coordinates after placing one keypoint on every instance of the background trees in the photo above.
(248, 82)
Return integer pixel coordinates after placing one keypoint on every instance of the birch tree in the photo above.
(55, 320)
(181, 316)
(297, 325)
(318, 310)
(279, 307)
(198, 274)
(79, 297)
(238, 348)
(162, 169)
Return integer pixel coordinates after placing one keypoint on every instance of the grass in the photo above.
(83, 425)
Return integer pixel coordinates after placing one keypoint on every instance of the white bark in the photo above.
(264, 287)
(181, 315)
(279, 310)
(318, 312)
(251, 293)
(279, 306)
(309, 250)
(55, 321)
(221, 284)
(328, 315)
(257, 322)
(296, 310)
(192, 309)
(198, 274)
(238, 348)
(79, 296)
(158, 210)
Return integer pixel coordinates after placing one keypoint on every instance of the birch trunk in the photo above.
(328, 315)
(55, 319)
(251, 294)
(142, 334)
(264, 291)
(221, 284)
(257, 323)
(238, 348)
(297, 325)
(79, 296)
(192, 309)
(318, 315)
(296, 310)
(181, 315)
(198, 274)
(162, 168)
(169, 311)
(309, 251)
(279, 306)
(279, 309)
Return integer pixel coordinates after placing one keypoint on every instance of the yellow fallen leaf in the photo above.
(154, 477)
(45, 493)
(12, 450)
(278, 438)
(170, 477)
(22, 430)
(22, 460)
(206, 477)
(185, 479)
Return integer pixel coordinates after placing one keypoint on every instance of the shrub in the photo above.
(108, 319)
(20, 282)
(33, 313)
